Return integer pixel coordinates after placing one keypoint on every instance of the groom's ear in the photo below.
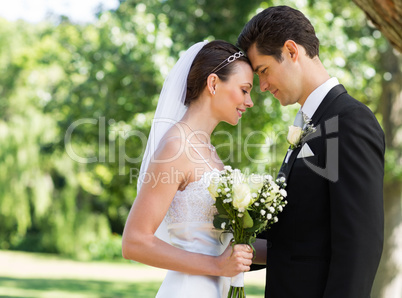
(291, 49)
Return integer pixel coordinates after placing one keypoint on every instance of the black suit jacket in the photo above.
(329, 238)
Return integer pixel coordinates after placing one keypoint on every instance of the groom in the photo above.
(329, 238)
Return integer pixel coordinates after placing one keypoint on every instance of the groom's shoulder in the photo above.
(351, 110)
(346, 104)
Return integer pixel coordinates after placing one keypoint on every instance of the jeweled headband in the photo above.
(227, 61)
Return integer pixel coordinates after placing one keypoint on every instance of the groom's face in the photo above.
(279, 78)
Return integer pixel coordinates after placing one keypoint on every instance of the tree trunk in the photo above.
(388, 283)
(387, 17)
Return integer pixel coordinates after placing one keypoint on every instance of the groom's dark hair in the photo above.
(272, 27)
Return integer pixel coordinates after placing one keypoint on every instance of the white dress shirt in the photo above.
(310, 106)
(316, 97)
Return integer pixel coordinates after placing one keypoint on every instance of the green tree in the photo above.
(387, 16)
(77, 102)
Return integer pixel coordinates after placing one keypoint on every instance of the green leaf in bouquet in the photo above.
(257, 227)
(261, 226)
(251, 241)
(247, 220)
(219, 205)
(219, 220)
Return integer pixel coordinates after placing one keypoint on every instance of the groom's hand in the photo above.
(235, 259)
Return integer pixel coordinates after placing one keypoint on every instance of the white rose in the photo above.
(294, 135)
(241, 196)
(214, 179)
(237, 177)
(255, 182)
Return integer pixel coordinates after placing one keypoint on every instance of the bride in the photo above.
(170, 223)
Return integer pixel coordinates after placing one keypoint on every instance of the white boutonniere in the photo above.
(297, 134)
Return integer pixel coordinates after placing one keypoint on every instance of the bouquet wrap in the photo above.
(237, 281)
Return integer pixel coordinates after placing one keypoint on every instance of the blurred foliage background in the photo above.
(77, 101)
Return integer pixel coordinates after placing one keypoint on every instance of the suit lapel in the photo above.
(287, 166)
(332, 94)
(326, 102)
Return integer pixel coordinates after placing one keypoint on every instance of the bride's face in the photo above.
(233, 96)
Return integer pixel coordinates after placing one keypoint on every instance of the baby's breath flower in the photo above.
(283, 193)
(269, 216)
(263, 212)
(223, 225)
(268, 177)
(240, 215)
(275, 219)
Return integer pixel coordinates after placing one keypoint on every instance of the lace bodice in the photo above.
(193, 204)
(190, 227)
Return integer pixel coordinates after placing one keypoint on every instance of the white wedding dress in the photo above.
(190, 227)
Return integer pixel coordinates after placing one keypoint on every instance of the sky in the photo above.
(80, 11)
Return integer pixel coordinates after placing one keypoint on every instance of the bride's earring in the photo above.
(213, 92)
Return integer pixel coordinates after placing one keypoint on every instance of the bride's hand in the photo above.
(235, 259)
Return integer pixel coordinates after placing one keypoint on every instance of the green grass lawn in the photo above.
(31, 287)
(39, 287)
(30, 275)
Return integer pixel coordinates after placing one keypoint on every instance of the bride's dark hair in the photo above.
(207, 59)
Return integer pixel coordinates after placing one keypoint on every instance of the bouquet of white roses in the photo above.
(246, 206)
